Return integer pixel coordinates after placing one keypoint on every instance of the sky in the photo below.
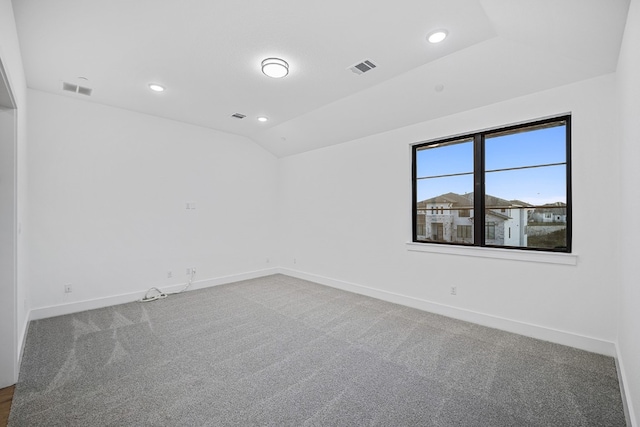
(535, 186)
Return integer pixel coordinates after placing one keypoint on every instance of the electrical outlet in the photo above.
(67, 289)
(169, 274)
(295, 261)
(191, 270)
(454, 290)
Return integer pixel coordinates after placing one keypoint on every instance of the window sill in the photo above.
(508, 254)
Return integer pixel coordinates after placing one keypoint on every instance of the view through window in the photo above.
(514, 182)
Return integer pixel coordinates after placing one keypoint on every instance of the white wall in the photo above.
(8, 290)
(629, 303)
(108, 190)
(346, 216)
(13, 266)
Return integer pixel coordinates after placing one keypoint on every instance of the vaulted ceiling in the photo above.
(207, 53)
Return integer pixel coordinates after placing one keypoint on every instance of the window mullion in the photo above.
(478, 190)
(414, 200)
(569, 204)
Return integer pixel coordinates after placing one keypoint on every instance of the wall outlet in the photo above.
(67, 289)
(295, 261)
(191, 270)
(454, 290)
(169, 274)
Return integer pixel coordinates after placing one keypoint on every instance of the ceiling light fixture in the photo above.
(437, 36)
(263, 119)
(156, 87)
(275, 67)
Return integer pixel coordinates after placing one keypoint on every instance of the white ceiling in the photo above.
(208, 52)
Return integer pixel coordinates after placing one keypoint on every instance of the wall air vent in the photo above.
(238, 116)
(70, 87)
(363, 67)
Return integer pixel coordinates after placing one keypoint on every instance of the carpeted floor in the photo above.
(281, 351)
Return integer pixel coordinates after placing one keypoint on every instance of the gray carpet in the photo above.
(280, 351)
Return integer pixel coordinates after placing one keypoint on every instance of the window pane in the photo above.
(433, 187)
(526, 148)
(536, 186)
(547, 227)
(445, 159)
(444, 212)
(528, 207)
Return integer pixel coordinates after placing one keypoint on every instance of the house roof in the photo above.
(496, 202)
(517, 202)
(466, 200)
(557, 208)
(498, 215)
(452, 198)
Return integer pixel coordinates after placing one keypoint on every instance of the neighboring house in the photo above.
(550, 213)
(449, 218)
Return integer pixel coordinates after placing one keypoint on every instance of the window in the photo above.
(465, 232)
(517, 177)
(421, 225)
(490, 230)
(437, 230)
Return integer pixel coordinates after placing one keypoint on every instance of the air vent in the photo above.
(84, 90)
(238, 116)
(363, 67)
(70, 87)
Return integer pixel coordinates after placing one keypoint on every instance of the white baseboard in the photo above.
(560, 337)
(624, 391)
(75, 307)
(22, 340)
(540, 332)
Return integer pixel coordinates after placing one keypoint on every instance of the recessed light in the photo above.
(156, 87)
(275, 67)
(437, 36)
(263, 119)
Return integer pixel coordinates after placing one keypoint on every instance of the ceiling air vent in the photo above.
(70, 87)
(84, 90)
(363, 67)
(238, 116)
